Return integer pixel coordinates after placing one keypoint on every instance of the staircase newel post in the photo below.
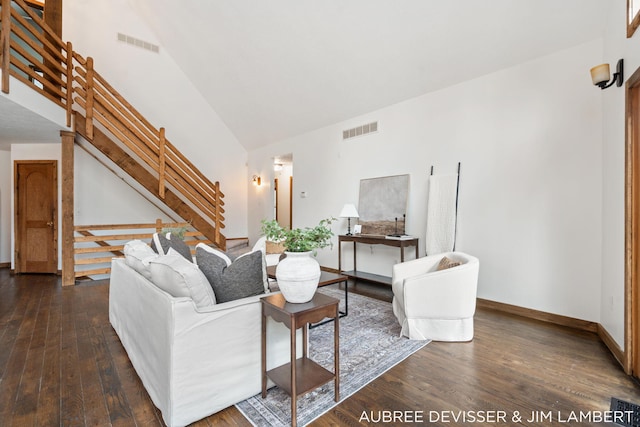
(69, 92)
(5, 44)
(162, 163)
(68, 250)
(158, 225)
(89, 101)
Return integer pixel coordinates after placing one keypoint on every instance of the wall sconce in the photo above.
(600, 75)
(257, 181)
(277, 167)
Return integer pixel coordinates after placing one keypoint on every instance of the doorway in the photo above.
(283, 190)
(36, 216)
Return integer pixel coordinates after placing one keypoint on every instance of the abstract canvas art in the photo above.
(382, 204)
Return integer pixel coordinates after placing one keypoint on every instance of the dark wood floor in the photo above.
(62, 364)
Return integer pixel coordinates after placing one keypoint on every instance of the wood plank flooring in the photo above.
(61, 363)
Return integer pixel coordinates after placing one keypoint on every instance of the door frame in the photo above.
(16, 205)
(631, 362)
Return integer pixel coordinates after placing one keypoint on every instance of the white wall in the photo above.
(529, 140)
(154, 84)
(101, 197)
(6, 169)
(616, 46)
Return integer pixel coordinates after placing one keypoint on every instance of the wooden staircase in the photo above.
(33, 54)
(151, 183)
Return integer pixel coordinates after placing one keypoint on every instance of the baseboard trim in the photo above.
(5, 265)
(617, 352)
(556, 319)
(544, 316)
(613, 346)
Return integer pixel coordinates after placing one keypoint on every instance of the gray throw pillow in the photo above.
(232, 280)
(161, 244)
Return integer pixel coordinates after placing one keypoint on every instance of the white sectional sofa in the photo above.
(192, 361)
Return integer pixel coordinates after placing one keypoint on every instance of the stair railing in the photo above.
(104, 105)
(32, 53)
(47, 67)
(95, 245)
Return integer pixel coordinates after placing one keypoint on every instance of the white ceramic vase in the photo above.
(298, 276)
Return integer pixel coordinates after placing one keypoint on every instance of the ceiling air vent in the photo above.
(138, 43)
(360, 130)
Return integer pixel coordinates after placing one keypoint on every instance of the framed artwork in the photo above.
(382, 204)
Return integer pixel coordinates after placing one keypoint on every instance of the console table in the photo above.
(372, 240)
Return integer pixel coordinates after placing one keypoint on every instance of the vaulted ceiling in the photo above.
(278, 68)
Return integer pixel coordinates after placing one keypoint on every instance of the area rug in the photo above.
(370, 344)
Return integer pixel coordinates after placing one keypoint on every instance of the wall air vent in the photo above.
(138, 43)
(360, 130)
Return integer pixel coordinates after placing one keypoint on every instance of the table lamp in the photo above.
(349, 211)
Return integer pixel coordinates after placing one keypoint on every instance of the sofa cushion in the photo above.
(162, 242)
(181, 278)
(137, 255)
(232, 280)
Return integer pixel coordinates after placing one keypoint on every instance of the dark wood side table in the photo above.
(302, 375)
(326, 278)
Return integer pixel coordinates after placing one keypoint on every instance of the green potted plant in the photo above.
(298, 273)
(299, 239)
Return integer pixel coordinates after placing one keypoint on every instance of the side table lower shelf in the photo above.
(369, 277)
(372, 240)
(309, 375)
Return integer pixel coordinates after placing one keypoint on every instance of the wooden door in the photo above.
(36, 218)
(284, 216)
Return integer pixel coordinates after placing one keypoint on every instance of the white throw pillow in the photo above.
(180, 278)
(137, 255)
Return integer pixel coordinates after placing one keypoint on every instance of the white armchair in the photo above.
(436, 305)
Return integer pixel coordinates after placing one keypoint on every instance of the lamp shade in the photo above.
(349, 211)
(600, 73)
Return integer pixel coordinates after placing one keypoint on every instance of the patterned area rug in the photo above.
(370, 344)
